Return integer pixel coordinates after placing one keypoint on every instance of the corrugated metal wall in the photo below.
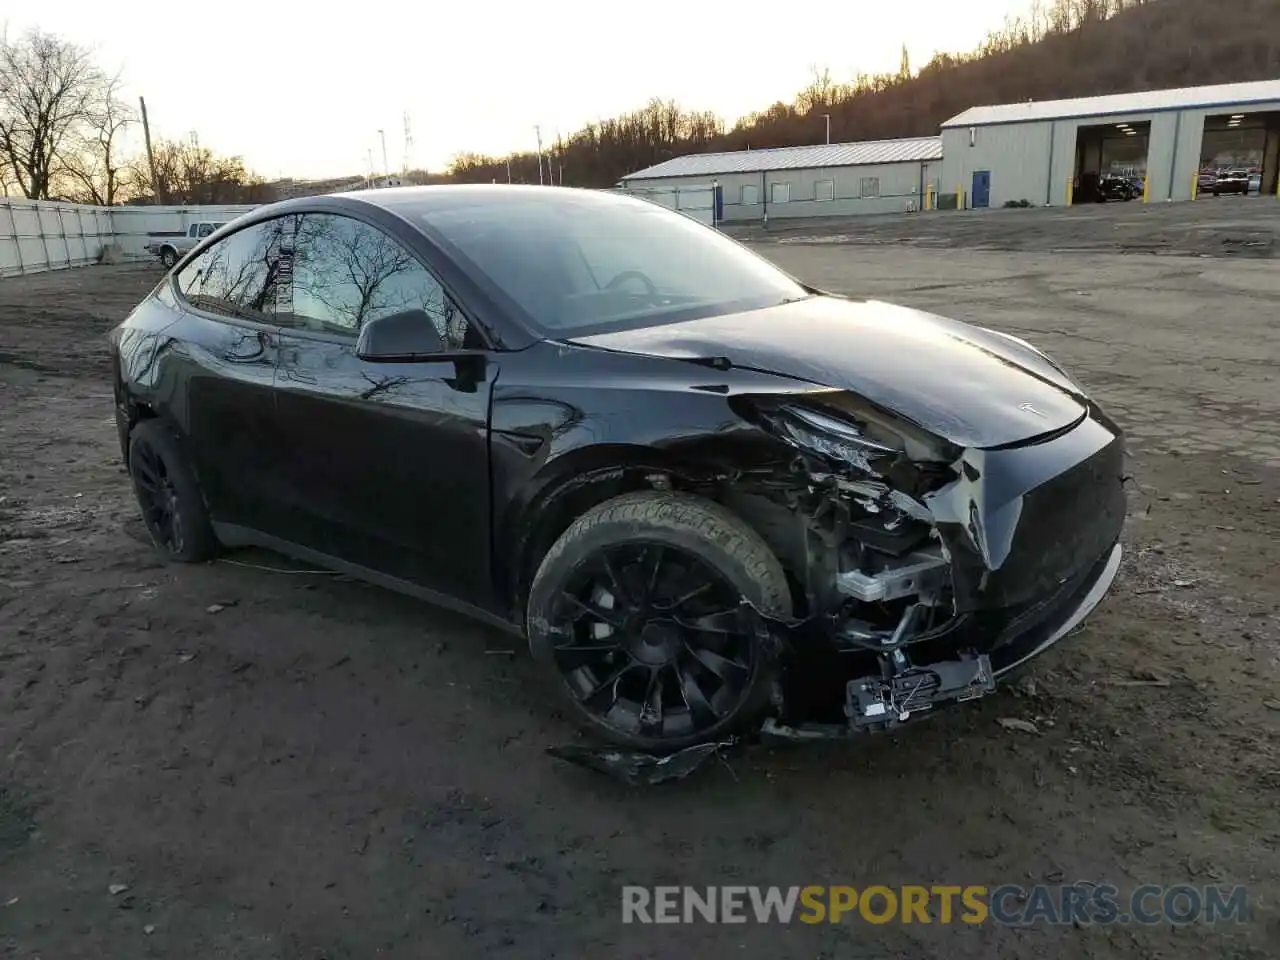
(816, 192)
(1016, 155)
(1036, 160)
(38, 235)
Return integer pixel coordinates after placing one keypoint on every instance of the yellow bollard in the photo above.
(1146, 189)
(1195, 185)
(959, 197)
(1071, 189)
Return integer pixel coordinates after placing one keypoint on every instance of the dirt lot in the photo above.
(323, 769)
(1241, 227)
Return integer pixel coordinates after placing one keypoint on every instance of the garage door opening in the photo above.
(1111, 162)
(1238, 156)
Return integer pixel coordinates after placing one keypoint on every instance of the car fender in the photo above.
(649, 422)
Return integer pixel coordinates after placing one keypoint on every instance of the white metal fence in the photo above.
(698, 202)
(39, 235)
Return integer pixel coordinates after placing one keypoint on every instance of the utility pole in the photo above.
(386, 168)
(508, 170)
(827, 117)
(538, 133)
(370, 180)
(408, 144)
(151, 157)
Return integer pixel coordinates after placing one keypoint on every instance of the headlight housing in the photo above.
(846, 429)
(827, 435)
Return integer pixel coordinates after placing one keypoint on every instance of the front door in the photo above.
(982, 188)
(386, 464)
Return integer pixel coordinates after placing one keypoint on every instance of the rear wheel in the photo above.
(636, 617)
(168, 256)
(168, 497)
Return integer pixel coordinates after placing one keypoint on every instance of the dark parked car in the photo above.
(708, 494)
(1233, 181)
(1117, 188)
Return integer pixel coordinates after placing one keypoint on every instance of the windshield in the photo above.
(588, 262)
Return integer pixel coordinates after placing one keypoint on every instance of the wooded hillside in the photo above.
(1064, 48)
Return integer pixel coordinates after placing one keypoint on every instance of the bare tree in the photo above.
(48, 88)
(188, 173)
(93, 166)
(821, 92)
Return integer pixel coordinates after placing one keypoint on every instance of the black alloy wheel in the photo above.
(168, 498)
(647, 632)
(653, 641)
(157, 498)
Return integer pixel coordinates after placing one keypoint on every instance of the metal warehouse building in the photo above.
(1039, 151)
(837, 179)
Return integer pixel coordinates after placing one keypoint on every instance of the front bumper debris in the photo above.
(880, 703)
(640, 769)
(874, 703)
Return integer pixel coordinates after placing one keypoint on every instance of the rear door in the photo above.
(388, 463)
(227, 363)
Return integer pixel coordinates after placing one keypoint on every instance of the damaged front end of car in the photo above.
(922, 570)
(926, 569)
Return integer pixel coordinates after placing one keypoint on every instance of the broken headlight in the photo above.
(830, 436)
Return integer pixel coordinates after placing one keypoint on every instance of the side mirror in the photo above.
(406, 336)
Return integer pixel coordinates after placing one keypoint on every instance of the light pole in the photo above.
(537, 132)
(385, 168)
(827, 117)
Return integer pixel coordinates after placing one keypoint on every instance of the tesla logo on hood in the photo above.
(1028, 408)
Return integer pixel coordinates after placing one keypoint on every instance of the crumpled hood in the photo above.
(968, 385)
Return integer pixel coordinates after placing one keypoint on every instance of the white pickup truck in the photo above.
(170, 246)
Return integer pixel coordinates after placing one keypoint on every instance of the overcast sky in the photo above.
(302, 89)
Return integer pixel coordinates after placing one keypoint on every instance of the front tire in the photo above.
(636, 618)
(169, 499)
(169, 257)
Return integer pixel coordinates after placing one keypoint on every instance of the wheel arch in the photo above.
(567, 488)
(580, 480)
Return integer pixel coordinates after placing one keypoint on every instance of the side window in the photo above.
(346, 273)
(204, 230)
(243, 275)
(191, 230)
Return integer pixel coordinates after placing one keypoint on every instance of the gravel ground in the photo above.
(1242, 227)
(280, 763)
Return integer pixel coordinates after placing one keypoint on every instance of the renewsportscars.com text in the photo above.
(1009, 905)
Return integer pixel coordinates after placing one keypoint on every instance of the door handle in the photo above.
(260, 341)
